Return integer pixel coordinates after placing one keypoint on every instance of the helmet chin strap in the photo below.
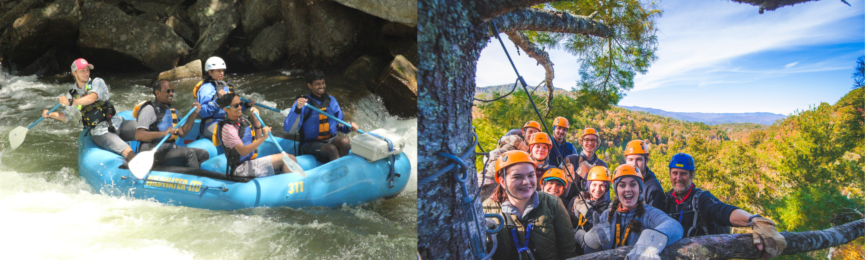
(508, 191)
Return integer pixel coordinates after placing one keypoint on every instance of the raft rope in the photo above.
(495, 31)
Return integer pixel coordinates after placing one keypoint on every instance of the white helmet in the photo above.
(214, 63)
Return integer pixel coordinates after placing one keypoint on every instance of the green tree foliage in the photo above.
(608, 65)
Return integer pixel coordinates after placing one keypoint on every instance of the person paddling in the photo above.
(90, 98)
(236, 136)
(318, 132)
(156, 118)
(207, 91)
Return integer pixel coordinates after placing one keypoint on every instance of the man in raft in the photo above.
(90, 99)
(240, 142)
(318, 132)
(207, 91)
(156, 119)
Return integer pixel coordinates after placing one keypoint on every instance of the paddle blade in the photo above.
(141, 164)
(16, 137)
(292, 165)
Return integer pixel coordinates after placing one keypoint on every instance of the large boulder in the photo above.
(214, 20)
(364, 72)
(39, 30)
(324, 34)
(181, 29)
(398, 88)
(259, 14)
(113, 38)
(190, 70)
(268, 46)
(399, 11)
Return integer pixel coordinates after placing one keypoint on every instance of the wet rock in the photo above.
(398, 87)
(365, 71)
(190, 70)
(114, 39)
(39, 30)
(327, 35)
(215, 20)
(399, 30)
(259, 14)
(268, 46)
(407, 47)
(400, 11)
(180, 28)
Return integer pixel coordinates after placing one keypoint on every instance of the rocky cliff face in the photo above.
(43, 37)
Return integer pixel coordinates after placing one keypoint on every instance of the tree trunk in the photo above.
(741, 245)
(451, 35)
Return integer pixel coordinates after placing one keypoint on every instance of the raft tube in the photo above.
(349, 180)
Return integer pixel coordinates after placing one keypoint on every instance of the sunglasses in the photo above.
(169, 91)
(238, 105)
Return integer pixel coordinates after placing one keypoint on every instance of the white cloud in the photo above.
(697, 38)
(790, 65)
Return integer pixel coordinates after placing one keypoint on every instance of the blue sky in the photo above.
(724, 57)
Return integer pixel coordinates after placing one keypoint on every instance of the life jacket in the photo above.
(247, 136)
(96, 112)
(700, 226)
(323, 122)
(217, 84)
(163, 119)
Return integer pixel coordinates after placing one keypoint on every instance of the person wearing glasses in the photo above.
(318, 132)
(158, 118)
(208, 90)
(240, 142)
(578, 165)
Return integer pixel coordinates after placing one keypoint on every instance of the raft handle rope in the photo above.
(494, 29)
(203, 188)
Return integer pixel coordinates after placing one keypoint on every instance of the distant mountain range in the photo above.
(762, 118)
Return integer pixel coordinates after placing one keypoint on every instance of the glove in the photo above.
(579, 236)
(599, 235)
(649, 245)
(764, 232)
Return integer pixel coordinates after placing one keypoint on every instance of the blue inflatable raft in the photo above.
(348, 180)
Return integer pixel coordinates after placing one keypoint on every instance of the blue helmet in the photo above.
(682, 161)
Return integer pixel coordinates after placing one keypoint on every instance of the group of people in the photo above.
(556, 202)
(222, 120)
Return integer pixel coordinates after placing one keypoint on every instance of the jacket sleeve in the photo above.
(654, 194)
(657, 220)
(294, 115)
(337, 112)
(717, 211)
(208, 103)
(565, 243)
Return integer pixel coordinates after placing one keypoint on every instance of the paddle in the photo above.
(265, 107)
(16, 137)
(331, 117)
(141, 164)
(292, 165)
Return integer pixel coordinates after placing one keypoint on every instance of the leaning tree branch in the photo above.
(488, 9)
(543, 58)
(549, 21)
(741, 245)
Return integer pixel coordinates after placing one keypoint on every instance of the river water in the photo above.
(47, 211)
